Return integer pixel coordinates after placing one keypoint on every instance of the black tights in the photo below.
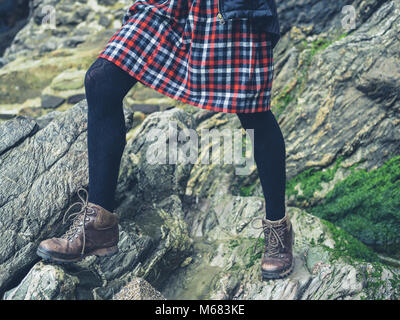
(270, 158)
(106, 86)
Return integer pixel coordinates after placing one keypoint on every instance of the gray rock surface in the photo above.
(39, 179)
(13, 16)
(51, 102)
(346, 103)
(321, 16)
(224, 266)
(69, 17)
(185, 246)
(138, 289)
(15, 131)
(44, 282)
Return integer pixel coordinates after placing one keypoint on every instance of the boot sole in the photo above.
(274, 275)
(102, 252)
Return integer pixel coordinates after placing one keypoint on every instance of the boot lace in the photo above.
(275, 236)
(79, 218)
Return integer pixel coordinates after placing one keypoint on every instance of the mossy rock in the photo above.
(365, 204)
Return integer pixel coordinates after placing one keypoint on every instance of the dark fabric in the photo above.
(263, 12)
(270, 158)
(106, 86)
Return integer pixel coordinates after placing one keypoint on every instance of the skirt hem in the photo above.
(184, 100)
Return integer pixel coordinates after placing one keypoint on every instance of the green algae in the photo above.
(366, 205)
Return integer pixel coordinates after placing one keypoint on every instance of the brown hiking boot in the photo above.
(277, 261)
(99, 236)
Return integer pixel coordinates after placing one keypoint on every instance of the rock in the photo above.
(51, 102)
(104, 21)
(227, 267)
(145, 108)
(76, 98)
(341, 100)
(6, 116)
(2, 61)
(328, 123)
(44, 120)
(31, 40)
(145, 250)
(142, 171)
(55, 158)
(217, 178)
(33, 112)
(15, 131)
(185, 247)
(313, 13)
(72, 42)
(52, 159)
(69, 80)
(33, 164)
(48, 47)
(138, 289)
(106, 2)
(203, 115)
(13, 16)
(44, 282)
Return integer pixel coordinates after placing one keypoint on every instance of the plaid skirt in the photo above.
(181, 49)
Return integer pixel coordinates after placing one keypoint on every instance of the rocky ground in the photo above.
(336, 99)
(206, 243)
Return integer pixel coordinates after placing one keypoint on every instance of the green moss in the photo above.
(395, 282)
(18, 86)
(284, 98)
(319, 45)
(347, 247)
(253, 257)
(292, 91)
(374, 284)
(244, 248)
(366, 204)
(233, 243)
(310, 181)
(247, 191)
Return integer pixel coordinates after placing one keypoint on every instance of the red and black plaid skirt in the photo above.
(181, 49)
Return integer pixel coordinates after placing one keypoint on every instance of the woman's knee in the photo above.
(94, 75)
(106, 80)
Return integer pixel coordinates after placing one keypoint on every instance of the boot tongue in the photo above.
(75, 226)
(274, 234)
(78, 221)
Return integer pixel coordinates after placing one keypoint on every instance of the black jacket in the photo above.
(262, 12)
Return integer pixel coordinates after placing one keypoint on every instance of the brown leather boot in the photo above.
(277, 261)
(98, 237)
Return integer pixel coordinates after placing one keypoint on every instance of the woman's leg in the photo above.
(106, 86)
(270, 158)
